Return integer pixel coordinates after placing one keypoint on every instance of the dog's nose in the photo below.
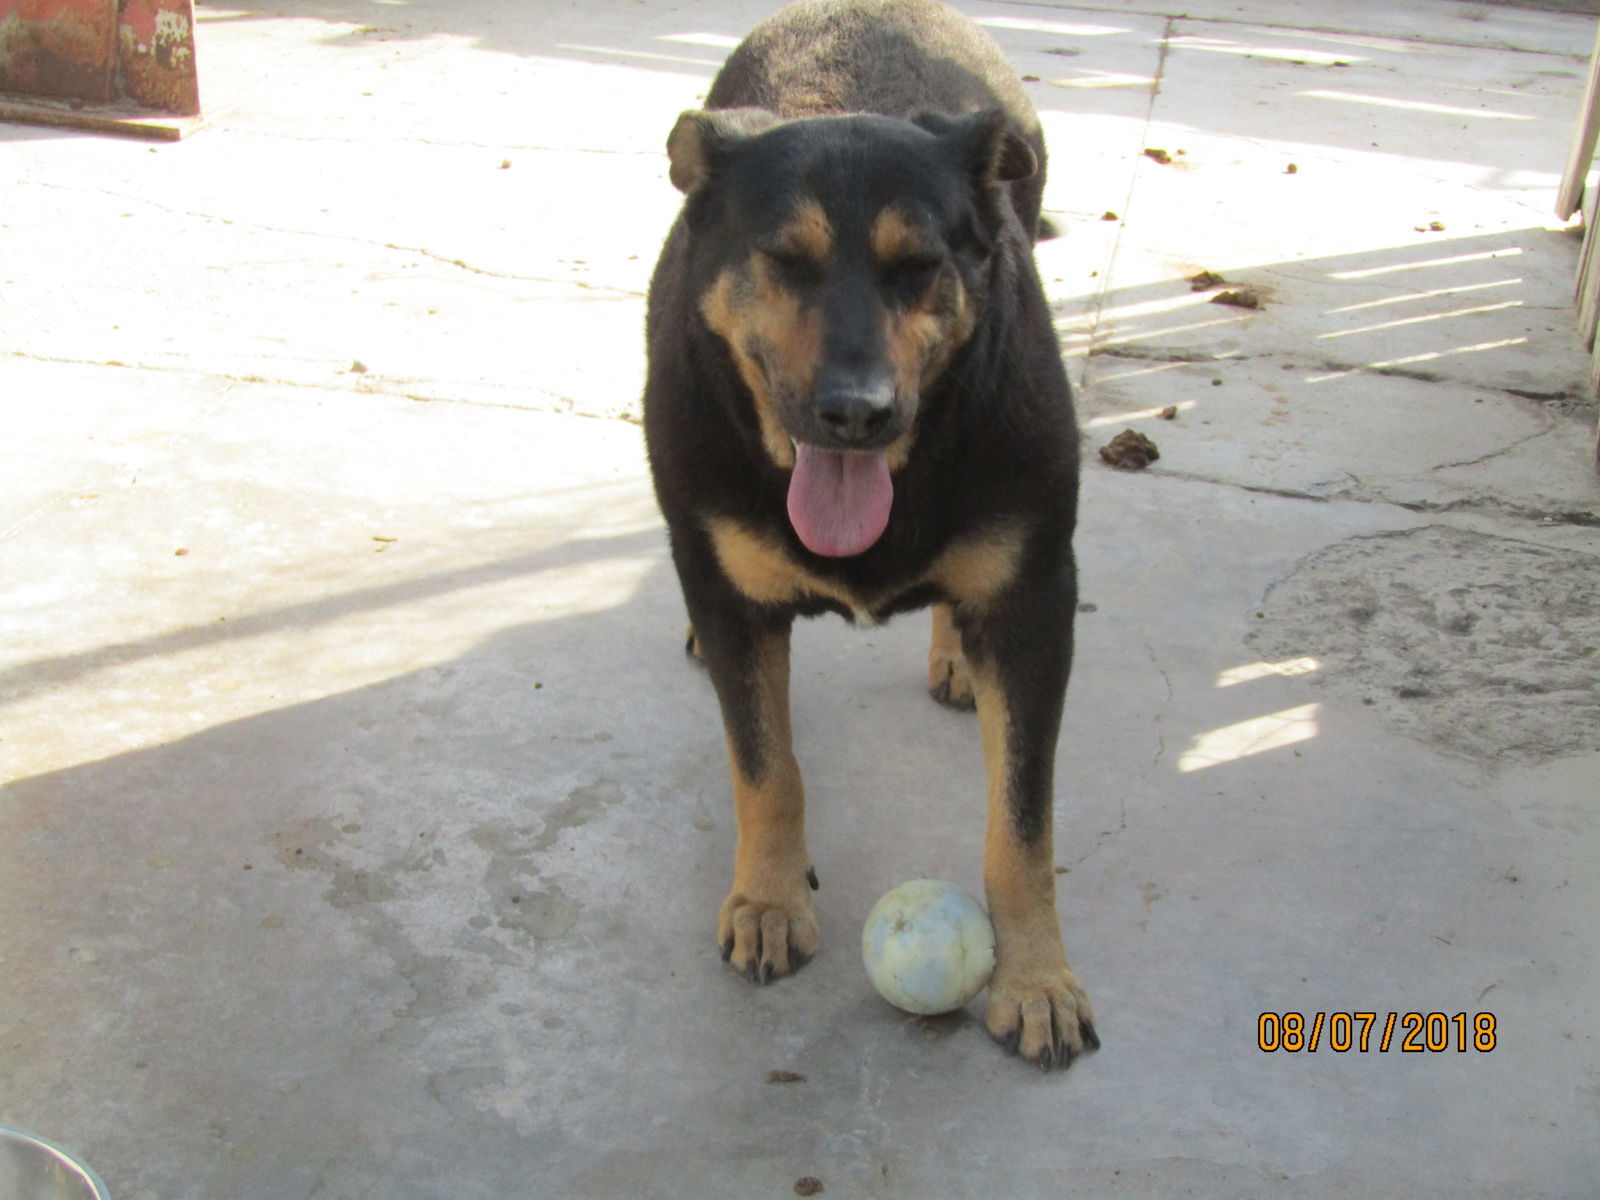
(854, 411)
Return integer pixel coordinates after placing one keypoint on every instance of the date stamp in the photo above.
(1374, 1032)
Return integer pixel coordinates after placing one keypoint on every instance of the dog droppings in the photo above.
(1030, 79)
(808, 1185)
(1237, 298)
(1156, 155)
(1205, 281)
(1108, 215)
(781, 1076)
(1169, 413)
(1130, 450)
(1292, 169)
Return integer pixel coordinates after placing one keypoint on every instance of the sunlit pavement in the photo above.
(366, 826)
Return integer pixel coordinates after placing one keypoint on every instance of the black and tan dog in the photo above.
(856, 404)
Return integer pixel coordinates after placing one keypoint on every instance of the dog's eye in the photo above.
(911, 276)
(792, 265)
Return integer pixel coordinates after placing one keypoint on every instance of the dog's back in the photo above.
(894, 57)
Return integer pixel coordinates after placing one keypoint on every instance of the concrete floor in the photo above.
(364, 826)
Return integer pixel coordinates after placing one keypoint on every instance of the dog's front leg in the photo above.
(1020, 652)
(766, 927)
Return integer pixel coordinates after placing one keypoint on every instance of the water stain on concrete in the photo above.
(309, 847)
(1484, 646)
(581, 806)
(523, 901)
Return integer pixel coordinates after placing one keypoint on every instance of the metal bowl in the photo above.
(32, 1169)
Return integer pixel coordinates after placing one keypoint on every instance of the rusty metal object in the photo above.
(155, 44)
(63, 48)
(121, 66)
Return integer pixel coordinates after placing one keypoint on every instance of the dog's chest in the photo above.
(970, 571)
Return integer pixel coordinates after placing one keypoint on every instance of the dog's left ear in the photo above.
(988, 142)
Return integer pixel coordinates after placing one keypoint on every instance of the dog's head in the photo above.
(842, 260)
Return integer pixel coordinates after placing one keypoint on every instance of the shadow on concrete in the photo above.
(42, 674)
(449, 925)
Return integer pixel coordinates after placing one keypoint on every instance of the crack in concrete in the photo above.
(1166, 680)
(1496, 453)
(548, 401)
(1104, 294)
(1481, 505)
(1105, 835)
(497, 147)
(1522, 512)
(350, 239)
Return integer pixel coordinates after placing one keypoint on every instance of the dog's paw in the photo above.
(766, 939)
(1042, 1016)
(950, 679)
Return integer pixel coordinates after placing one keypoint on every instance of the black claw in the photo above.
(1091, 1039)
(797, 959)
(811, 878)
(727, 950)
(1008, 1041)
(766, 973)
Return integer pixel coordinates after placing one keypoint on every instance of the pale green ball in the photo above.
(928, 947)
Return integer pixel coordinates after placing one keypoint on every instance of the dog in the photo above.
(855, 403)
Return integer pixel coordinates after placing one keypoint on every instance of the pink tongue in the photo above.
(839, 500)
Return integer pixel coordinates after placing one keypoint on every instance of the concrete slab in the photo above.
(363, 826)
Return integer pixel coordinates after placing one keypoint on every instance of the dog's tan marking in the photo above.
(896, 237)
(1033, 997)
(917, 346)
(973, 571)
(807, 233)
(923, 333)
(767, 926)
(743, 309)
(764, 571)
(949, 677)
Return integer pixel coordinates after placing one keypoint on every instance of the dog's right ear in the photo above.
(701, 140)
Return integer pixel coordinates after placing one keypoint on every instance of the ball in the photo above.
(928, 947)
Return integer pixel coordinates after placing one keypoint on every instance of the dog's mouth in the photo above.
(839, 500)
